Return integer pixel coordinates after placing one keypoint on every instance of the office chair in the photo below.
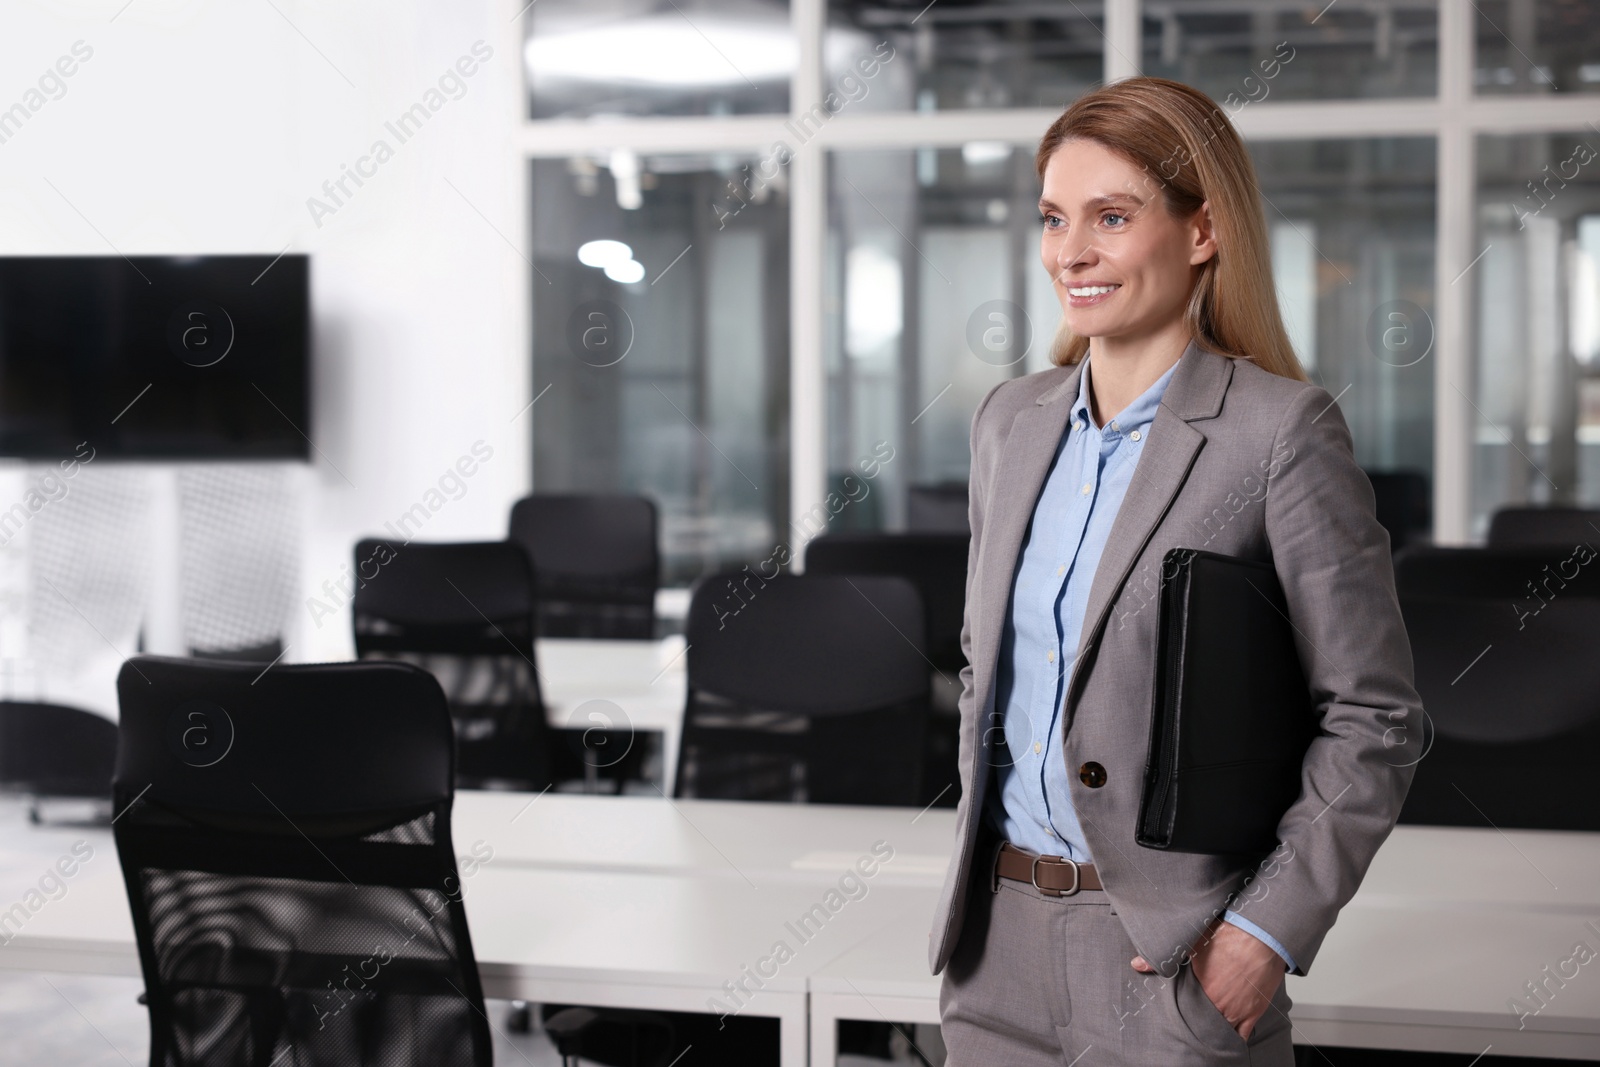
(465, 612)
(50, 752)
(1535, 527)
(1404, 505)
(285, 841)
(939, 508)
(801, 689)
(1503, 644)
(596, 561)
(936, 563)
(807, 689)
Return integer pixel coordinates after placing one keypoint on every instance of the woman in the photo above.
(1177, 415)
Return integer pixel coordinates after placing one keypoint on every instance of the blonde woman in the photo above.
(1176, 416)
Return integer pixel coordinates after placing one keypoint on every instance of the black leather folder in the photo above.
(1232, 714)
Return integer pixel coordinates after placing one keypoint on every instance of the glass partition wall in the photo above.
(823, 237)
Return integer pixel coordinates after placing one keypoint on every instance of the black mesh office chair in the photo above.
(810, 689)
(1404, 505)
(936, 563)
(50, 752)
(1503, 642)
(465, 612)
(285, 840)
(596, 560)
(1537, 527)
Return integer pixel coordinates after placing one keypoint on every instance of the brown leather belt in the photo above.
(1050, 875)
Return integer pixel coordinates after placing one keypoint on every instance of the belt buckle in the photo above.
(1077, 877)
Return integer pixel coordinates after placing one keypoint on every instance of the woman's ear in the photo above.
(1203, 242)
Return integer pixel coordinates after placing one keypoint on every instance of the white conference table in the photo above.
(1448, 926)
(605, 901)
(642, 902)
(633, 686)
(764, 843)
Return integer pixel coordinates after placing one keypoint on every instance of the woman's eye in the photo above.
(1114, 215)
(1050, 221)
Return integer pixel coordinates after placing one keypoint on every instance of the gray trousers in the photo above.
(1039, 980)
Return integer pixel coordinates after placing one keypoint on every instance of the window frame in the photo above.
(1454, 118)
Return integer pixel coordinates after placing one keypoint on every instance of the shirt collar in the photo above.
(1136, 415)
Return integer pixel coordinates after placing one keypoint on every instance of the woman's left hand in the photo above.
(1237, 970)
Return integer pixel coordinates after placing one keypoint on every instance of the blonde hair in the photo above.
(1192, 153)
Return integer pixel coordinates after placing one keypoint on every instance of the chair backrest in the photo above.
(940, 508)
(1502, 642)
(466, 613)
(1543, 527)
(804, 689)
(1403, 503)
(285, 840)
(597, 562)
(47, 750)
(936, 563)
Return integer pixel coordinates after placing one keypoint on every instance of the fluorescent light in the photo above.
(977, 153)
(627, 272)
(667, 51)
(603, 253)
(873, 300)
(625, 176)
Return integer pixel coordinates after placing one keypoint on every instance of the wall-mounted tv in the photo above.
(155, 357)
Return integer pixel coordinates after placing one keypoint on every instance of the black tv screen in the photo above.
(155, 357)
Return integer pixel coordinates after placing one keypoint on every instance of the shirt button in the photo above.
(1061, 570)
(1134, 435)
(1078, 425)
(1036, 748)
(1113, 425)
(1051, 655)
(1087, 488)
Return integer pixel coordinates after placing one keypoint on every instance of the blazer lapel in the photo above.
(1195, 392)
(1025, 460)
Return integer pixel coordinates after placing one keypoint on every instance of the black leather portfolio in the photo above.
(1232, 715)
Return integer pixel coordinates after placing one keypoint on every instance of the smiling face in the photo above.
(1122, 267)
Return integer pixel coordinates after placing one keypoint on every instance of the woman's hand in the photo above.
(1237, 970)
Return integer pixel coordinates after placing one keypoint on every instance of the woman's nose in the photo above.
(1071, 255)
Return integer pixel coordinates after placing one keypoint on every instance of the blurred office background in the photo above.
(828, 233)
(730, 255)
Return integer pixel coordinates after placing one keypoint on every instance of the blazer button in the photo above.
(1092, 775)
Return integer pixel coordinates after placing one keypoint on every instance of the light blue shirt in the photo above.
(1031, 803)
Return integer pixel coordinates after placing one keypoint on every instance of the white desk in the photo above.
(637, 902)
(713, 838)
(637, 686)
(609, 901)
(1426, 957)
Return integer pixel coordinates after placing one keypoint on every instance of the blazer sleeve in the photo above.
(1332, 556)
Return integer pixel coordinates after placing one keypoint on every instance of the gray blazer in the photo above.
(1245, 463)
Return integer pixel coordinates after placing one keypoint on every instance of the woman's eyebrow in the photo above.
(1098, 201)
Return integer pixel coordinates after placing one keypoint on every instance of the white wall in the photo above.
(204, 127)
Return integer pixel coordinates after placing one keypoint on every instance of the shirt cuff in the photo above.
(1265, 938)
